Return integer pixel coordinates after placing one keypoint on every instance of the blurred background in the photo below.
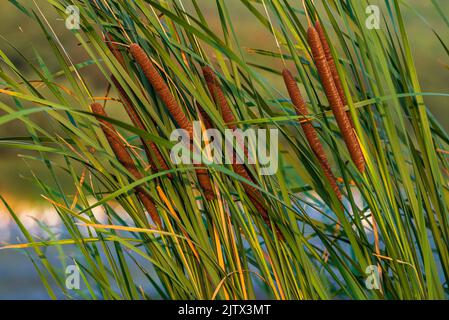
(19, 36)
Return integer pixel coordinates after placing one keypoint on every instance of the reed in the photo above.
(160, 163)
(125, 159)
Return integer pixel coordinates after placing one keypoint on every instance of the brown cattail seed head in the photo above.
(125, 159)
(137, 121)
(334, 99)
(205, 183)
(309, 130)
(333, 67)
(170, 102)
(219, 97)
(331, 62)
(160, 87)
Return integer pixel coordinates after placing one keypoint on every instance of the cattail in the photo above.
(137, 121)
(334, 99)
(175, 110)
(331, 61)
(205, 183)
(132, 113)
(228, 117)
(333, 67)
(160, 87)
(125, 159)
(204, 117)
(309, 130)
(114, 48)
(219, 97)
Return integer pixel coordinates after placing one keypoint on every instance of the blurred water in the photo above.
(20, 280)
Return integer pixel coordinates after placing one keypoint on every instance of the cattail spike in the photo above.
(133, 115)
(228, 117)
(333, 67)
(160, 87)
(205, 183)
(114, 48)
(125, 159)
(334, 99)
(175, 110)
(309, 130)
(331, 62)
(137, 121)
(219, 97)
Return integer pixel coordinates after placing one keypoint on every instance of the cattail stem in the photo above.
(334, 99)
(309, 130)
(125, 159)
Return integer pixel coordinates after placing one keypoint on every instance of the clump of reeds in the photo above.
(125, 159)
(309, 130)
(173, 107)
(334, 98)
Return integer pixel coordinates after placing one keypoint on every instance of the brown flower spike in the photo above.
(160, 87)
(334, 99)
(132, 112)
(309, 130)
(125, 159)
(333, 67)
(228, 117)
(175, 110)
